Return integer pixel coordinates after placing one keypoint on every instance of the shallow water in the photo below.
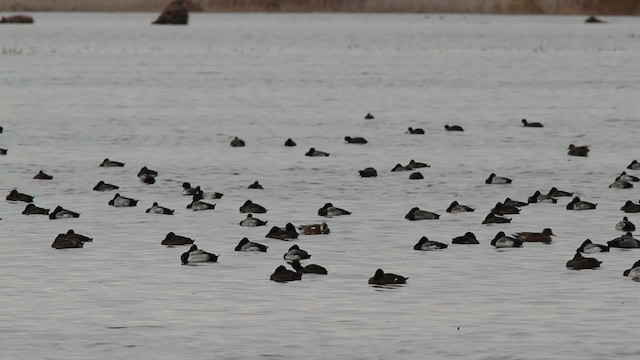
(77, 88)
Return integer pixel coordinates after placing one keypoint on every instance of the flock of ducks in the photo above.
(290, 232)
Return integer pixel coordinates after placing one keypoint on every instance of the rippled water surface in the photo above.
(77, 88)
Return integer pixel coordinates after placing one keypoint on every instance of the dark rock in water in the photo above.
(176, 13)
(593, 20)
(16, 19)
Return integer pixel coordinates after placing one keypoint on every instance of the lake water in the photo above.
(78, 88)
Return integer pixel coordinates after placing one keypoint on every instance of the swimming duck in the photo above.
(290, 142)
(620, 184)
(503, 241)
(250, 207)
(157, 209)
(417, 214)
(580, 262)
(147, 176)
(255, 185)
(630, 207)
(543, 237)
(495, 219)
(172, 239)
(195, 255)
(554, 193)
(314, 152)
(31, 209)
(208, 195)
(625, 225)
(628, 178)
(578, 150)
(329, 210)
(198, 205)
(355, 140)
(368, 172)
(368, 116)
(14, 195)
(187, 189)
(424, 244)
(102, 186)
(295, 253)
(416, 176)
(309, 269)
(625, 241)
(61, 213)
(635, 165)
(64, 241)
(593, 20)
(122, 201)
(514, 203)
(3, 151)
(282, 274)
(246, 245)
(399, 167)
(493, 179)
(41, 175)
(453, 128)
(380, 278)
(109, 163)
(250, 221)
(315, 229)
(467, 238)
(287, 233)
(531, 124)
(588, 247)
(456, 208)
(417, 131)
(577, 204)
(416, 165)
(72, 234)
(501, 209)
(537, 197)
(634, 271)
(237, 142)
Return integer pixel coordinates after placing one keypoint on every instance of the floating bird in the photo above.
(502, 209)
(282, 274)
(314, 229)
(495, 219)
(102, 186)
(578, 150)
(108, 163)
(157, 209)
(147, 176)
(290, 142)
(315, 153)
(188, 190)
(250, 207)
(626, 177)
(250, 221)
(588, 247)
(514, 203)
(634, 271)
(195, 255)
(355, 140)
(31, 209)
(399, 167)
(416, 165)
(580, 262)
(368, 172)
(122, 201)
(416, 176)
(467, 238)
(368, 116)
(69, 241)
(424, 244)
(3, 151)
(625, 241)
(309, 269)
(493, 179)
(329, 210)
(41, 175)
(635, 165)
(61, 213)
(456, 208)
(537, 197)
(380, 278)
(246, 245)
(543, 237)
(208, 195)
(417, 131)
(630, 207)
(14, 195)
(503, 241)
(255, 185)
(295, 253)
(625, 225)
(237, 142)
(577, 204)
(417, 214)
(287, 233)
(554, 193)
(172, 240)
(453, 128)
(620, 184)
(531, 124)
(198, 205)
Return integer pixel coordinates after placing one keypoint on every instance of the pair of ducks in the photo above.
(501, 240)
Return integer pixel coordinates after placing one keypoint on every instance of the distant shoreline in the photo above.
(555, 7)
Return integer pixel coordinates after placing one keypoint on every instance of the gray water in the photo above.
(78, 88)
